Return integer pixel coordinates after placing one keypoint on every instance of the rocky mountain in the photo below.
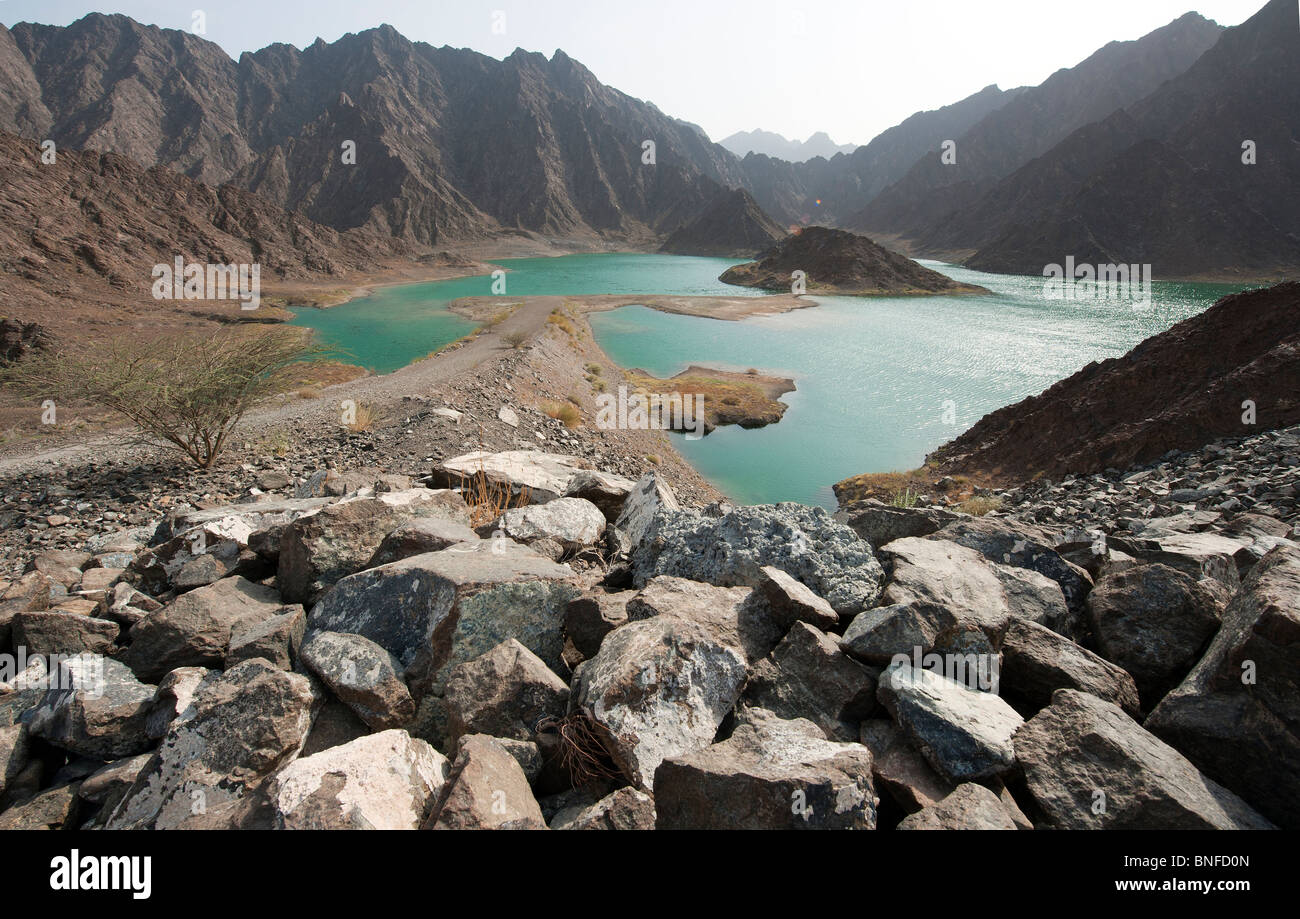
(448, 143)
(1219, 374)
(774, 145)
(1116, 76)
(81, 235)
(732, 226)
(840, 262)
(1166, 182)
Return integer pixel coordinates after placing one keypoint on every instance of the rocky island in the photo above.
(844, 263)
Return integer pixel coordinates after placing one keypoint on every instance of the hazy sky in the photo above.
(848, 67)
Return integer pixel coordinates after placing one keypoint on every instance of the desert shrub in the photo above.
(978, 506)
(516, 340)
(185, 390)
(566, 412)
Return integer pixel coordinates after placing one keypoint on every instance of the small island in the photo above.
(840, 262)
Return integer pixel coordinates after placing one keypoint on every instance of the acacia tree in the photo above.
(186, 390)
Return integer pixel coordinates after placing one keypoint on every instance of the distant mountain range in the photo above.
(774, 145)
(1133, 155)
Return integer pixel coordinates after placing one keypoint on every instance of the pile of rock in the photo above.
(379, 656)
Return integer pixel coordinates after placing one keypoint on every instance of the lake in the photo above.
(881, 381)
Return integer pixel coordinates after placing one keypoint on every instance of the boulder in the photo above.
(95, 708)
(504, 693)
(276, 639)
(435, 611)
(106, 785)
(1236, 715)
(54, 809)
(573, 523)
(336, 724)
(30, 593)
(63, 633)
(647, 498)
(1090, 766)
(880, 524)
(898, 768)
(969, 807)
(1037, 661)
(607, 491)
(362, 675)
(963, 733)
(732, 549)
(660, 687)
(318, 550)
(544, 476)
(175, 693)
(487, 790)
(589, 618)
(770, 774)
(734, 611)
(624, 809)
(60, 565)
(213, 764)
(419, 537)
(1197, 555)
(385, 781)
(194, 630)
(1154, 622)
(808, 676)
(791, 601)
(938, 585)
(15, 744)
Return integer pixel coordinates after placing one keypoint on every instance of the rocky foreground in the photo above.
(377, 652)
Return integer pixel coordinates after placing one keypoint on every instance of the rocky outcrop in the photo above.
(839, 262)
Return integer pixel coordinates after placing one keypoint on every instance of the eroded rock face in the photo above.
(770, 774)
(212, 765)
(731, 550)
(194, 630)
(1090, 766)
(937, 585)
(1154, 622)
(363, 675)
(660, 687)
(487, 790)
(96, 708)
(969, 807)
(963, 733)
(1236, 715)
(503, 693)
(435, 611)
(384, 781)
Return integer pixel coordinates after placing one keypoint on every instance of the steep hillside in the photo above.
(732, 226)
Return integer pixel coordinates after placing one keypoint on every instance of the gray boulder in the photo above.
(503, 693)
(486, 790)
(1037, 661)
(363, 675)
(95, 708)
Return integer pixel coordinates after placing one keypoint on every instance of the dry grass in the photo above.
(579, 750)
(365, 418)
(516, 340)
(566, 412)
(308, 392)
(978, 506)
(488, 499)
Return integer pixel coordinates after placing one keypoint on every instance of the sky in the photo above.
(851, 68)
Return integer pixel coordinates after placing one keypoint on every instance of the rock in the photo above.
(647, 498)
(95, 580)
(276, 639)
(625, 809)
(111, 781)
(963, 733)
(899, 769)
(591, 617)
(419, 537)
(1197, 555)
(660, 687)
(211, 766)
(318, 550)
(731, 611)
(731, 550)
(793, 602)
(1236, 715)
(545, 476)
(172, 699)
(435, 611)
(201, 571)
(1021, 546)
(95, 707)
(363, 675)
(969, 807)
(1037, 661)
(55, 809)
(336, 724)
(503, 693)
(506, 415)
(487, 790)
(1154, 622)
(15, 744)
(880, 524)
(194, 630)
(770, 774)
(807, 676)
(63, 633)
(572, 522)
(30, 593)
(60, 566)
(385, 781)
(236, 522)
(607, 491)
(1090, 766)
(937, 585)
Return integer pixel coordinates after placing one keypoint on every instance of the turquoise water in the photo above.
(881, 381)
(397, 325)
